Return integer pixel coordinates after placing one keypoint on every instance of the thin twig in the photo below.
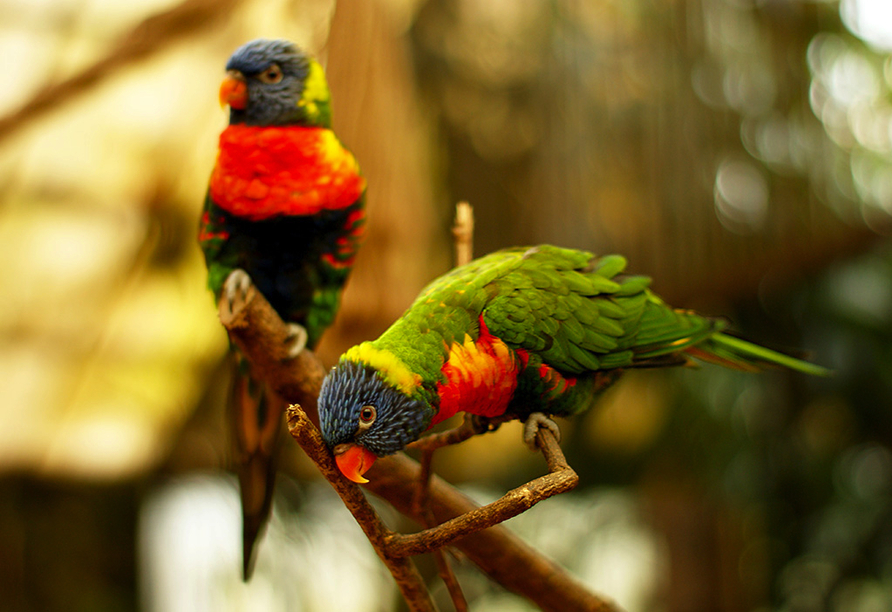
(444, 570)
(470, 426)
(560, 479)
(498, 552)
(428, 445)
(463, 233)
(420, 498)
(152, 35)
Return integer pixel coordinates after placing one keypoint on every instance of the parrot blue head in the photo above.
(356, 406)
(273, 82)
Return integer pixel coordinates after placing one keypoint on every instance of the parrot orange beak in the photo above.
(353, 461)
(234, 90)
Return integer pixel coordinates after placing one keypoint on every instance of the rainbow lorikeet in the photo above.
(521, 332)
(285, 211)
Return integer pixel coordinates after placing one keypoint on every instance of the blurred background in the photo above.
(739, 151)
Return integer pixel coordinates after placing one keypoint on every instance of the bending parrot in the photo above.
(522, 331)
(285, 210)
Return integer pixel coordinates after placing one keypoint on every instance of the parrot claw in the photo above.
(533, 424)
(296, 339)
(235, 289)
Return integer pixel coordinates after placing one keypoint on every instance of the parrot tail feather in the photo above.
(732, 352)
(257, 426)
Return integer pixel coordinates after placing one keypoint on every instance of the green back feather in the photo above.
(569, 309)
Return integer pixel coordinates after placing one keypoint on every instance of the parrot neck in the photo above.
(394, 372)
(262, 172)
(480, 377)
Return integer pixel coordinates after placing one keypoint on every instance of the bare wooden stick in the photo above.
(394, 549)
(463, 233)
(420, 498)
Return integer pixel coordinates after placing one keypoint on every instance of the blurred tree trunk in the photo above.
(704, 569)
(376, 113)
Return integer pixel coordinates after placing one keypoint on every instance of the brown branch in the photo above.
(463, 234)
(259, 333)
(444, 569)
(560, 479)
(403, 570)
(498, 552)
(257, 330)
(155, 33)
(428, 445)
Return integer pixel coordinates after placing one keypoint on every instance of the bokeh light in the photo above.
(870, 20)
(741, 195)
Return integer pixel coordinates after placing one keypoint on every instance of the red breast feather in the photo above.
(262, 172)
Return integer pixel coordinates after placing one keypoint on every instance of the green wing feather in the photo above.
(569, 309)
(576, 312)
(580, 313)
(734, 352)
(212, 236)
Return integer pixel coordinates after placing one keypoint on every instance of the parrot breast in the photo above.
(262, 172)
(480, 377)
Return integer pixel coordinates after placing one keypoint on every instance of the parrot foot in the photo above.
(534, 423)
(235, 289)
(296, 339)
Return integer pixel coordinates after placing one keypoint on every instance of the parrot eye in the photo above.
(367, 416)
(271, 75)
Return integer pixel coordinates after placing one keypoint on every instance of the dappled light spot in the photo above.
(741, 196)
(869, 20)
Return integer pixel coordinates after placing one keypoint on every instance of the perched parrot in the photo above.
(285, 211)
(521, 332)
